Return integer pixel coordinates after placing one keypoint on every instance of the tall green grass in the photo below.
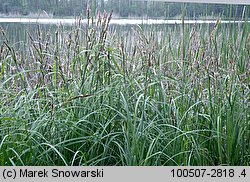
(172, 95)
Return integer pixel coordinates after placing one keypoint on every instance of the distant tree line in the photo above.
(121, 8)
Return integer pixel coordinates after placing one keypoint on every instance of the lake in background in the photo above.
(17, 28)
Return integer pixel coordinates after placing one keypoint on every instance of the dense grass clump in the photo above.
(177, 95)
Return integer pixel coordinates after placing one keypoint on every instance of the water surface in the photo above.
(113, 21)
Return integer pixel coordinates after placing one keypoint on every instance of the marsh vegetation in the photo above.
(95, 94)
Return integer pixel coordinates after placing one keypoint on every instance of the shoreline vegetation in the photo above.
(90, 96)
(121, 9)
(177, 17)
